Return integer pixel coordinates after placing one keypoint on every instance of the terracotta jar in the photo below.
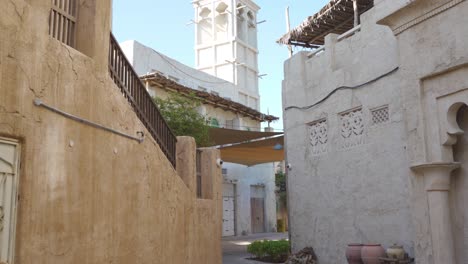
(371, 253)
(353, 254)
(396, 252)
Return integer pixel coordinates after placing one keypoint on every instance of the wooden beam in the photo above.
(356, 13)
(329, 31)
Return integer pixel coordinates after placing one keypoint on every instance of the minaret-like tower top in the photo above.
(226, 41)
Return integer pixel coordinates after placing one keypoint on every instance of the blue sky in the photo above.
(162, 26)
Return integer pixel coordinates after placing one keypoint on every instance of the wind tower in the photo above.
(226, 42)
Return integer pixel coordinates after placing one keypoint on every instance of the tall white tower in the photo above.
(226, 42)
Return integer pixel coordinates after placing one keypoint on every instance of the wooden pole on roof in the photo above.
(356, 13)
(288, 29)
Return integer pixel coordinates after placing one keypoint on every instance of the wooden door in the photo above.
(257, 214)
(9, 167)
(228, 216)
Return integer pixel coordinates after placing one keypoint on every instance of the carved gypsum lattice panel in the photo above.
(318, 132)
(318, 136)
(380, 115)
(352, 129)
(352, 123)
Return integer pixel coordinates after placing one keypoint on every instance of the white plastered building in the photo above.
(375, 125)
(226, 65)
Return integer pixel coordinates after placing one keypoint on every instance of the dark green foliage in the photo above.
(280, 181)
(257, 248)
(276, 250)
(183, 118)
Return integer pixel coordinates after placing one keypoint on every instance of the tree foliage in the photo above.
(280, 182)
(181, 114)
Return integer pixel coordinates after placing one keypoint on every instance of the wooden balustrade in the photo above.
(135, 92)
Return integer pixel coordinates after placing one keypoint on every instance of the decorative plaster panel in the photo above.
(352, 128)
(380, 115)
(318, 135)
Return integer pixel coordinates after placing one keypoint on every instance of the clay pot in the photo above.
(370, 253)
(396, 252)
(353, 254)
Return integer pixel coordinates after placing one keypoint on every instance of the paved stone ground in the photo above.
(235, 248)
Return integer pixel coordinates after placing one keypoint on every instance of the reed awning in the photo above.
(335, 17)
(223, 136)
(255, 152)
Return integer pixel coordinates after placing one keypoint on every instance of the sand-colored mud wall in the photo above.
(87, 195)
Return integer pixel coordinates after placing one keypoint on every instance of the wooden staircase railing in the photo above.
(135, 92)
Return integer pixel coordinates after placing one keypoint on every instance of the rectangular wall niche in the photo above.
(318, 136)
(352, 128)
(380, 115)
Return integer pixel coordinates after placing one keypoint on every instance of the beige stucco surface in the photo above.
(369, 191)
(87, 195)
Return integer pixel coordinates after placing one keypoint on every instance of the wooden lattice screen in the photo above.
(62, 21)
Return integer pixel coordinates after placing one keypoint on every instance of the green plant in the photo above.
(276, 250)
(257, 248)
(280, 182)
(180, 113)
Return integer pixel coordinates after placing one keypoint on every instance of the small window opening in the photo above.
(62, 21)
(221, 8)
(240, 11)
(205, 12)
(251, 21)
(250, 15)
